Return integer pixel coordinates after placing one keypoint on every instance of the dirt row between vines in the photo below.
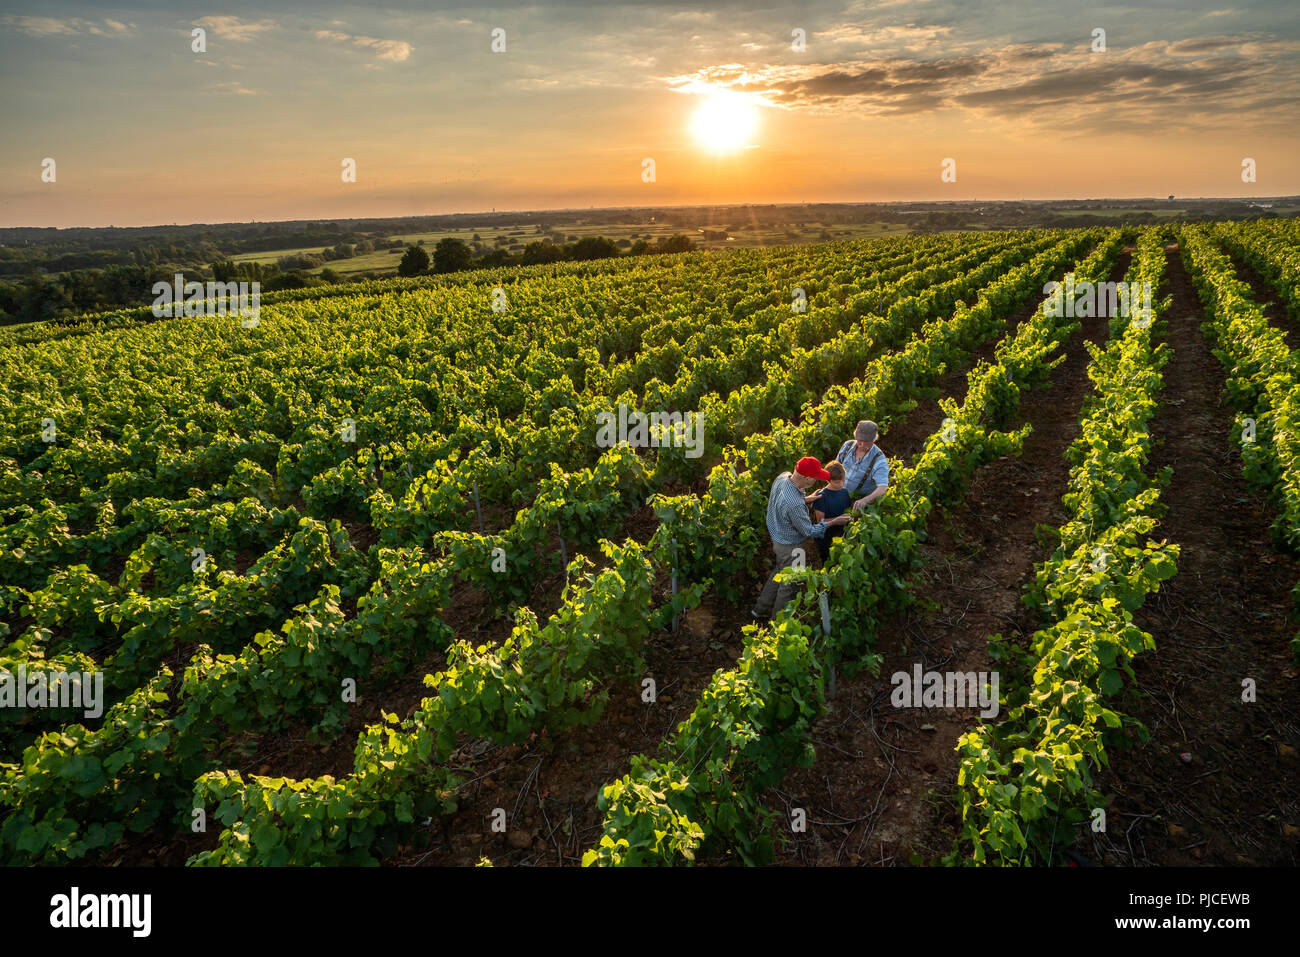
(880, 790)
(1219, 781)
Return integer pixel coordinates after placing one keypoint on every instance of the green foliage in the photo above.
(450, 255)
(201, 435)
(1263, 379)
(415, 262)
(1024, 783)
(540, 679)
(753, 722)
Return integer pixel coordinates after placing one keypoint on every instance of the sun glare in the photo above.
(725, 121)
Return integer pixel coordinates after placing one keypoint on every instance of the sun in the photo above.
(725, 121)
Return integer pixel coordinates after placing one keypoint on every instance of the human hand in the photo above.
(840, 519)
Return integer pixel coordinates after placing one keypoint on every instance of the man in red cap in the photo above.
(789, 526)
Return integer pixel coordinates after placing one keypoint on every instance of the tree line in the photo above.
(453, 255)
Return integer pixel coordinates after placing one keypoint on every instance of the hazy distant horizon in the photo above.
(666, 206)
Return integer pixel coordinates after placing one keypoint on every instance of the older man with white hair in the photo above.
(866, 469)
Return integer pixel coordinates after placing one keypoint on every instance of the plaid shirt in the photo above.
(857, 478)
(787, 514)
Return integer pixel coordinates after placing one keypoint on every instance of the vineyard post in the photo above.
(674, 585)
(564, 554)
(825, 602)
(478, 509)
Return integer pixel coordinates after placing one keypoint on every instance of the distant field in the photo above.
(1163, 212)
(385, 260)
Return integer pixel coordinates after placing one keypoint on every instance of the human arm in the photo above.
(793, 515)
(880, 492)
(879, 478)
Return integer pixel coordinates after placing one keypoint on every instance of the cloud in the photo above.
(1198, 82)
(395, 51)
(536, 83)
(691, 16)
(909, 37)
(233, 87)
(233, 28)
(863, 7)
(42, 26)
(67, 26)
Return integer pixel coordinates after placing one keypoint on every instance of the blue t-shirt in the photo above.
(833, 502)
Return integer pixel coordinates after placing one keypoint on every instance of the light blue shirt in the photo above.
(863, 476)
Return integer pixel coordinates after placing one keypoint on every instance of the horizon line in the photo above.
(679, 206)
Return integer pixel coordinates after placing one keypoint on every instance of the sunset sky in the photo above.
(145, 131)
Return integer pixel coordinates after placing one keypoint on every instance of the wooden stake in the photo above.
(478, 510)
(674, 582)
(824, 600)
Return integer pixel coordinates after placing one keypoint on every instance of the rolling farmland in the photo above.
(363, 584)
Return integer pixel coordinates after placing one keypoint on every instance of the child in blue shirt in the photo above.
(831, 502)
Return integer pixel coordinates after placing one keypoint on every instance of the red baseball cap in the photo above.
(810, 467)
